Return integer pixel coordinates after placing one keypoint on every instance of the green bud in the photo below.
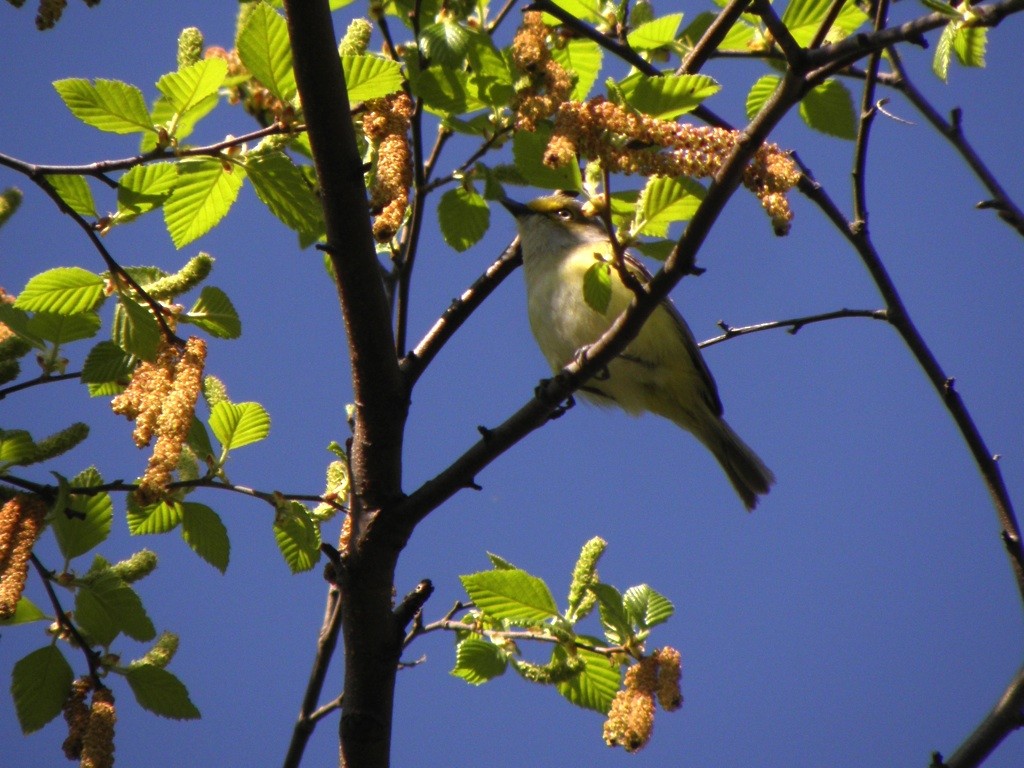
(584, 573)
(214, 391)
(188, 277)
(136, 567)
(558, 670)
(160, 654)
(10, 199)
(59, 442)
(190, 47)
(356, 39)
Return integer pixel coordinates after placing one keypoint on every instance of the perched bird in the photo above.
(661, 370)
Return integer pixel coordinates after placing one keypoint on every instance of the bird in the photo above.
(660, 371)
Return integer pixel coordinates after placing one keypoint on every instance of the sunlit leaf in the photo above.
(264, 48)
(64, 290)
(109, 105)
(205, 192)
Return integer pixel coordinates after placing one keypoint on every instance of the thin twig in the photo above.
(867, 117)
(794, 324)
(712, 37)
(38, 380)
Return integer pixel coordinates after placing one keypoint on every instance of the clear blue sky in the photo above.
(865, 614)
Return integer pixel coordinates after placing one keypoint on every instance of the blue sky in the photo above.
(865, 614)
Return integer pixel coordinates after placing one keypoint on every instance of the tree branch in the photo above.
(793, 324)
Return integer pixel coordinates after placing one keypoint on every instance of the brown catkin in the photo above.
(98, 742)
(76, 715)
(16, 547)
(670, 672)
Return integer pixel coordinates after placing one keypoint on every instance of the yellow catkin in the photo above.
(386, 124)
(630, 143)
(174, 421)
(630, 720)
(146, 393)
(98, 742)
(76, 715)
(17, 547)
(544, 82)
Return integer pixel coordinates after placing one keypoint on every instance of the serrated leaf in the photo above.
(665, 200)
(108, 105)
(40, 682)
(759, 93)
(582, 57)
(144, 188)
(464, 217)
(528, 151)
(106, 362)
(264, 48)
(596, 686)
(238, 424)
(804, 17)
(60, 329)
(500, 563)
(215, 314)
(105, 606)
(492, 78)
(135, 329)
(477, 660)
(969, 45)
(187, 87)
(656, 33)
(597, 286)
(86, 521)
(25, 612)
(446, 91)
(510, 595)
(178, 125)
(161, 692)
(828, 108)
(646, 607)
(445, 43)
(668, 96)
(588, 10)
(944, 51)
(614, 616)
(64, 290)
(371, 77)
(283, 188)
(298, 537)
(204, 194)
(205, 533)
(73, 190)
(18, 320)
(161, 517)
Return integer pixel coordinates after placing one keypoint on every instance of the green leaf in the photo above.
(16, 445)
(238, 424)
(199, 440)
(109, 105)
(64, 290)
(511, 595)
(464, 217)
(264, 48)
(144, 188)
(668, 96)
(283, 188)
(105, 606)
(528, 151)
(161, 517)
(582, 57)
(588, 10)
(25, 612)
(477, 660)
(106, 362)
(135, 330)
(646, 607)
(73, 190)
(500, 563)
(161, 692)
(18, 321)
(445, 43)
(205, 533)
(656, 33)
(666, 200)
(85, 522)
(759, 94)
(597, 286)
(446, 91)
(187, 87)
(944, 51)
(40, 682)
(177, 124)
(804, 17)
(944, 8)
(371, 77)
(596, 686)
(969, 45)
(215, 314)
(298, 537)
(492, 78)
(205, 192)
(828, 108)
(60, 329)
(614, 617)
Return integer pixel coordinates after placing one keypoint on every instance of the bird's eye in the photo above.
(564, 213)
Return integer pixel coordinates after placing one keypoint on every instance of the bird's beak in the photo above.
(517, 209)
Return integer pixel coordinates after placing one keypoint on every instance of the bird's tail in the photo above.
(744, 468)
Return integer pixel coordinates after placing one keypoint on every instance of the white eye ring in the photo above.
(564, 213)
